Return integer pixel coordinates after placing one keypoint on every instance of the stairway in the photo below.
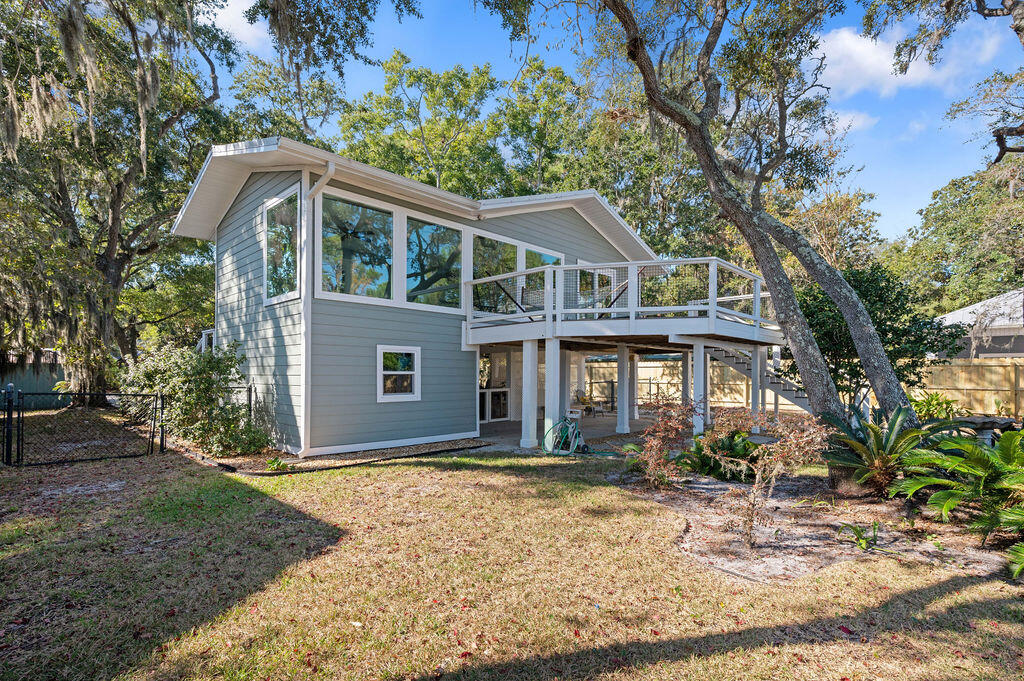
(783, 387)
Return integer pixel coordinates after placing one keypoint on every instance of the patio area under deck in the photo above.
(562, 312)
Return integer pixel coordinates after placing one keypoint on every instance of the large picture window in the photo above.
(281, 264)
(398, 373)
(433, 264)
(535, 282)
(492, 257)
(355, 249)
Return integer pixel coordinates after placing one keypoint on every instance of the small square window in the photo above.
(398, 373)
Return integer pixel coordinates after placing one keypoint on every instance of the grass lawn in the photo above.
(486, 567)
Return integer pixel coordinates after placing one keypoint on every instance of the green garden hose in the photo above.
(568, 441)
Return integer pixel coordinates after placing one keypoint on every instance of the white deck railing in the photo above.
(685, 296)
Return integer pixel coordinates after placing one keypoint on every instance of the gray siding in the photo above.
(344, 407)
(562, 231)
(269, 336)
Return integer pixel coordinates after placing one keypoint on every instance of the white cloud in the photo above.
(254, 37)
(854, 120)
(914, 129)
(855, 63)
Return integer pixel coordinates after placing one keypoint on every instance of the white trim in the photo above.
(308, 223)
(269, 203)
(416, 373)
(318, 258)
(385, 444)
(399, 228)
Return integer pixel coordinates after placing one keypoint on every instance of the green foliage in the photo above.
(936, 406)
(275, 463)
(964, 473)
(967, 247)
(724, 457)
(201, 405)
(876, 452)
(429, 126)
(1016, 556)
(910, 338)
(859, 535)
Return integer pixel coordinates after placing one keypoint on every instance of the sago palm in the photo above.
(966, 471)
(875, 452)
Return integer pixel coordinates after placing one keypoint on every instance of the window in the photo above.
(398, 373)
(433, 264)
(491, 257)
(535, 282)
(355, 249)
(281, 263)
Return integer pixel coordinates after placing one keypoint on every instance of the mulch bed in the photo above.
(257, 465)
(802, 535)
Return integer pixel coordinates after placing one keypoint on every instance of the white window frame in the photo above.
(318, 260)
(399, 237)
(268, 204)
(414, 396)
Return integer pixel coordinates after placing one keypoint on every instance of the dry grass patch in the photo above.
(488, 567)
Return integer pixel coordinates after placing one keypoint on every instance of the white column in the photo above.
(529, 397)
(776, 365)
(552, 388)
(763, 351)
(700, 387)
(755, 381)
(564, 377)
(622, 389)
(634, 386)
(685, 389)
(581, 372)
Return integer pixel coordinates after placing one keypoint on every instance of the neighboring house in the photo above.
(996, 326)
(376, 311)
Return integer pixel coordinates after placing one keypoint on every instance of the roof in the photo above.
(1006, 309)
(227, 167)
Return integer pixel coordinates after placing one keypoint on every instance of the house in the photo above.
(375, 311)
(996, 326)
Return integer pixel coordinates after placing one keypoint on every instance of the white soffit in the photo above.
(228, 166)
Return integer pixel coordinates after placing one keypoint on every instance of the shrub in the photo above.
(875, 452)
(198, 388)
(724, 457)
(933, 406)
(672, 427)
(965, 472)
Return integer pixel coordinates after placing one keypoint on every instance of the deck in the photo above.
(672, 299)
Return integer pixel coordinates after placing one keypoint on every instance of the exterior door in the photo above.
(493, 397)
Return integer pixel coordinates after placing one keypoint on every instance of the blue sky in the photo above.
(898, 132)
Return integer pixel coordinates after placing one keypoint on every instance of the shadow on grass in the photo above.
(103, 562)
(913, 612)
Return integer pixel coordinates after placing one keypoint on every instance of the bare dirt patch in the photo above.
(803, 535)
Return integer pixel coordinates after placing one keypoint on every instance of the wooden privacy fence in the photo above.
(663, 379)
(982, 386)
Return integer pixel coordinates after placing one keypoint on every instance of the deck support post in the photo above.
(700, 384)
(776, 366)
(565, 382)
(552, 389)
(529, 397)
(685, 389)
(622, 391)
(634, 386)
(755, 382)
(581, 373)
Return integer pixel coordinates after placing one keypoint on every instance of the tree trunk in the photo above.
(874, 359)
(821, 389)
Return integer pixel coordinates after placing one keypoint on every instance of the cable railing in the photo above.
(708, 289)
